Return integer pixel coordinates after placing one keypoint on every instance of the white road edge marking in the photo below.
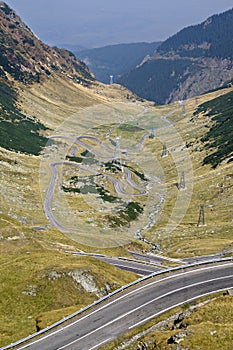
(103, 342)
(139, 268)
(172, 307)
(141, 306)
(119, 298)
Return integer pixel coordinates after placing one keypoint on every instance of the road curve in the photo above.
(136, 306)
(49, 195)
(142, 268)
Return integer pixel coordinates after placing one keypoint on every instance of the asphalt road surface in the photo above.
(133, 266)
(136, 306)
(142, 268)
(155, 258)
(49, 195)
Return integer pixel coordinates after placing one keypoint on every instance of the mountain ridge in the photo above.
(115, 60)
(37, 284)
(32, 59)
(26, 63)
(198, 40)
(194, 60)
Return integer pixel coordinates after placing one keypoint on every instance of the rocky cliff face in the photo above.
(28, 59)
(211, 73)
(195, 60)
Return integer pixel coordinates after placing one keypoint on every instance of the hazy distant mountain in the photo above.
(115, 59)
(42, 95)
(72, 48)
(193, 61)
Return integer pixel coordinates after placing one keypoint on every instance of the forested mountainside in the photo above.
(115, 60)
(196, 59)
(212, 38)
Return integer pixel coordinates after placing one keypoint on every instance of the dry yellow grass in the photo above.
(212, 188)
(28, 253)
(30, 248)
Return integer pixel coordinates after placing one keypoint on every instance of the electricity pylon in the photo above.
(181, 185)
(164, 152)
(201, 219)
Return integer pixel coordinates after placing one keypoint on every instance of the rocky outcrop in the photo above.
(210, 74)
(88, 282)
(83, 279)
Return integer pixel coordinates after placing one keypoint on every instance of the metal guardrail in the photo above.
(144, 278)
(143, 262)
(138, 261)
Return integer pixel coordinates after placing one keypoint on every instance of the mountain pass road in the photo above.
(135, 306)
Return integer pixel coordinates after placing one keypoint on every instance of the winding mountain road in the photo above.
(117, 185)
(135, 306)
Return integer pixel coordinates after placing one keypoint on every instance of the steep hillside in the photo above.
(40, 87)
(18, 132)
(115, 60)
(111, 181)
(212, 38)
(27, 59)
(196, 59)
(205, 126)
(220, 135)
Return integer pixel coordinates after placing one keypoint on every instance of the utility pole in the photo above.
(201, 219)
(164, 152)
(181, 185)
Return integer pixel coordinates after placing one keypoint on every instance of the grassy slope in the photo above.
(212, 187)
(55, 100)
(21, 208)
(17, 131)
(28, 289)
(28, 256)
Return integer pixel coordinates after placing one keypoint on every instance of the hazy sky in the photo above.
(94, 23)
